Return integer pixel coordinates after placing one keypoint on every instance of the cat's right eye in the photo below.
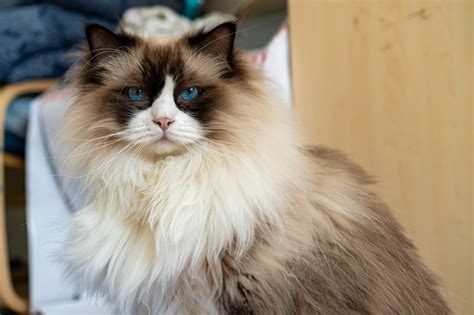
(136, 95)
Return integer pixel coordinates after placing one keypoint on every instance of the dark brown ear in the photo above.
(104, 41)
(218, 42)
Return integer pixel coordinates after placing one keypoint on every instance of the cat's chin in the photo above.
(166, 147)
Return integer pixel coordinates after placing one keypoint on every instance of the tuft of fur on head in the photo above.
(220, 211)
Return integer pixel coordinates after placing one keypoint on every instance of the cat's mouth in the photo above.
(165, 140)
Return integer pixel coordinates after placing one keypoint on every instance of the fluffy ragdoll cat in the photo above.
(203, 202)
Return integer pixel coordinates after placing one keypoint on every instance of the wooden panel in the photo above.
(390, 83)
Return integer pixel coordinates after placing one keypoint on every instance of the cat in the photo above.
(204, 201)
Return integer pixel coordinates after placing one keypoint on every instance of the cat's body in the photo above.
(238, 220)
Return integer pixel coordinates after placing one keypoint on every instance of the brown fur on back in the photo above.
(352, 267)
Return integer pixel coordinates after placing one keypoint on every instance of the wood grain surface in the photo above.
(390, 83)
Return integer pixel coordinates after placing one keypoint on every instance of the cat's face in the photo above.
(165, 97)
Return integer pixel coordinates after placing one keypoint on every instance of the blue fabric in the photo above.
(113, 9)
(16, 123)
(37, 39)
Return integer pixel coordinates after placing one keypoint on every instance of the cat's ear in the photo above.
(218, 42)
(101, 39)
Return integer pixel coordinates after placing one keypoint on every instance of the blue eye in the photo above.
(136, 95)
(189, 94)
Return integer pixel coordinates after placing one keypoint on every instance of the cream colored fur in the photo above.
(152, 224)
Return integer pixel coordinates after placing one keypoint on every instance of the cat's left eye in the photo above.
(136, 95)
(189, 94)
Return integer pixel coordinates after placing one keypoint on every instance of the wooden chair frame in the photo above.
(8, 297)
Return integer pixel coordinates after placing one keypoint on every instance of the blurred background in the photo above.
(388, 82)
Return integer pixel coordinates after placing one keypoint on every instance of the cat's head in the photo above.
(165, 96)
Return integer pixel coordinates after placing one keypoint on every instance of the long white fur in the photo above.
(152, 224)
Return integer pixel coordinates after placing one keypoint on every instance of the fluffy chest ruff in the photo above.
(155, 234)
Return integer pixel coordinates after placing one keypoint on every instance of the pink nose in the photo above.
(163, 122)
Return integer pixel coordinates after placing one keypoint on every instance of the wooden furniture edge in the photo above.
(8, 297)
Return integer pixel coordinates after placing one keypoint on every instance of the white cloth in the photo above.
(47, 217)
(160, 21)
